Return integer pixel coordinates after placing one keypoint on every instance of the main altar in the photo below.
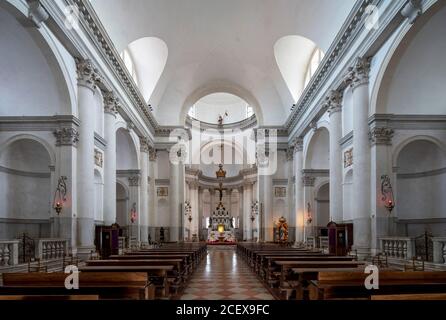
(221, 225)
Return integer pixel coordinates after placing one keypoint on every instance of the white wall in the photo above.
(414, 82)
(31, 83)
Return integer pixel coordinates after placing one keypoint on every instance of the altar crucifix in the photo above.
(221, 227)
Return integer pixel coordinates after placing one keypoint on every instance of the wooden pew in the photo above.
(414, 296)
(49, 297)
(157, 275)
(176, 277)
(270, 267)
(107, 285)
(347, 285)
(286, 266)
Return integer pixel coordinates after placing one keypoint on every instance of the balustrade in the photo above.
(9, 253)
(439, 249)
(51, 248)
(398, 247)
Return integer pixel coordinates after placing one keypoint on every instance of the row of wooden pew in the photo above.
(159, 273)
(301, 273)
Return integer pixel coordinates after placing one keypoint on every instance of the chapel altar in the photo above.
(221, 223)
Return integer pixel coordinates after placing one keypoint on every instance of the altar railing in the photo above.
(9, 253)
(439, 249)
(398, 247)
(51, 248)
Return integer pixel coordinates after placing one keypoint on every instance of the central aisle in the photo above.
(223, 276)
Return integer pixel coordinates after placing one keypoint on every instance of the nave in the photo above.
(224, 276)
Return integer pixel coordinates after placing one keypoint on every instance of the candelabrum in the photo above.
(188, 210)
(387, 193)
(60, 194)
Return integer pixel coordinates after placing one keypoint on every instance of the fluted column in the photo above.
(240, 214)
(144, 193)
(299, 190)
(87, 77)
(359, 77)
(110, 110)
(334, 102)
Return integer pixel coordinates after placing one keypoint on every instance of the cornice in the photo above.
(38, 123)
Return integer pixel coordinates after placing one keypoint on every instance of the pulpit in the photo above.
(107, 240)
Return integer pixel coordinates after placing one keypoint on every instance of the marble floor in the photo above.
(223, 276)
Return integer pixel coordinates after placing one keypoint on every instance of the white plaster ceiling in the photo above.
(216, 46)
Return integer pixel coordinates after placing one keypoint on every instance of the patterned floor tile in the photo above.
(222, 276)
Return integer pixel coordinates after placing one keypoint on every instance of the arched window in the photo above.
(249, 112)
(127, 58)
(314, 63)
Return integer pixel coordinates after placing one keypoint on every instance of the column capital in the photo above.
(333, 101)
(66, 137)
(298, 144)
(308, 181)
(290, 153)
(152, 153)
(144, 144)
(87, 74)
(111, 103)
(358, 74)
(381, 136)
(134, 181)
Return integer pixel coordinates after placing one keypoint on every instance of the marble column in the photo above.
(135, 204)
(176, 198)
(247, 202)
(359, 78)
(193, 196)
(334, 103)
(66, 155)
(291, 218)
(241, 215)
(144, 190)
(87, 77)
(200, 213)
(381, 164)
(299, 190)
(308, 186)
(110, 111)
(267, 197)
(152, 193)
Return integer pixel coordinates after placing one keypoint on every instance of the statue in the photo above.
(282, 227)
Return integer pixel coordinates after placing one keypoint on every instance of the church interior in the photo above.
(222, 150)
